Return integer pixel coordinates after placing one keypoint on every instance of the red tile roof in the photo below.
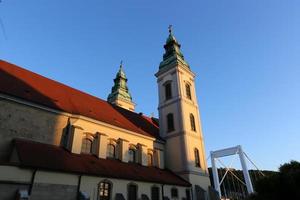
(21, 83)
(49, 157)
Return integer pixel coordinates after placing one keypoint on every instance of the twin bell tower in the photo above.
(179, 118)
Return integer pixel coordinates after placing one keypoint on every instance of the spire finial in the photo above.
(170, 28)
(172, 50)
(121, 64)
(120, 95)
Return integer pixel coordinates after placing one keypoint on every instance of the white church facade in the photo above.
(60, 143)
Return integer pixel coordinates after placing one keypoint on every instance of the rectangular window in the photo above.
(104, 191)
(188, 194)
(174, 193)
(197, 157)
(155, 193)
(132, 192)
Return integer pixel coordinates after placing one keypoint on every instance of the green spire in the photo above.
(119, 91)
(172, 52)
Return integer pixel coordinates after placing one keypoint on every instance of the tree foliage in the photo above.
(284, 185)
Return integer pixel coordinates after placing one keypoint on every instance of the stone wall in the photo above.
(8, 191)
(49, 185)
(22, 121)
(43, 191)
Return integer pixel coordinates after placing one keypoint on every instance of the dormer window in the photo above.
(150, 159)
(86, 147)
(168, 91)
(111, 151)
(132, 154)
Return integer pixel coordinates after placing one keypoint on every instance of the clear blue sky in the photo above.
(246, 54)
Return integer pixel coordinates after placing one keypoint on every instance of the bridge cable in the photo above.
(254, 164)
(232, 173)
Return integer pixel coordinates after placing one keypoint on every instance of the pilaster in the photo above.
(100, 145)
(142, 154)
(159, 160)
(75, 139)
(123, 153)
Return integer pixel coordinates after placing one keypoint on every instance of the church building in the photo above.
(59, 143)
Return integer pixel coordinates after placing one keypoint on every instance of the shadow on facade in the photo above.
(139, 121)
(27, 112)
(20, 116)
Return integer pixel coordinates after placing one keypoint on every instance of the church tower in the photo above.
(120, 95)
(179, 119)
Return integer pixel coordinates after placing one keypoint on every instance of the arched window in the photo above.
(193, 125)
(188, 91)
(155, 193)
(132, 191)
(150, 159)
(111, 151)
(170, 122)
(86, 146)
(168, 90)
(132, 154)
(197, 158)
(174, 193)
(105, 190)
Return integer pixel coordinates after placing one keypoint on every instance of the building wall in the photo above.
(182, 142)
(197, 180)
(113, 133)
(8, 190)
(125, 104)
(19, 121)
(175, 157)
(56, 185)
(109, 133)
(44, 191)
(13, 179)
(181, 107)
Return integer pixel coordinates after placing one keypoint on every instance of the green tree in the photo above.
(284, 185)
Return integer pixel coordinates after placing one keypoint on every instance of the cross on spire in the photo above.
(121, 64)
(172, 50)
(170, 28)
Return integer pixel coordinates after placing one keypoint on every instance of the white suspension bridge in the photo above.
(228, 182)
